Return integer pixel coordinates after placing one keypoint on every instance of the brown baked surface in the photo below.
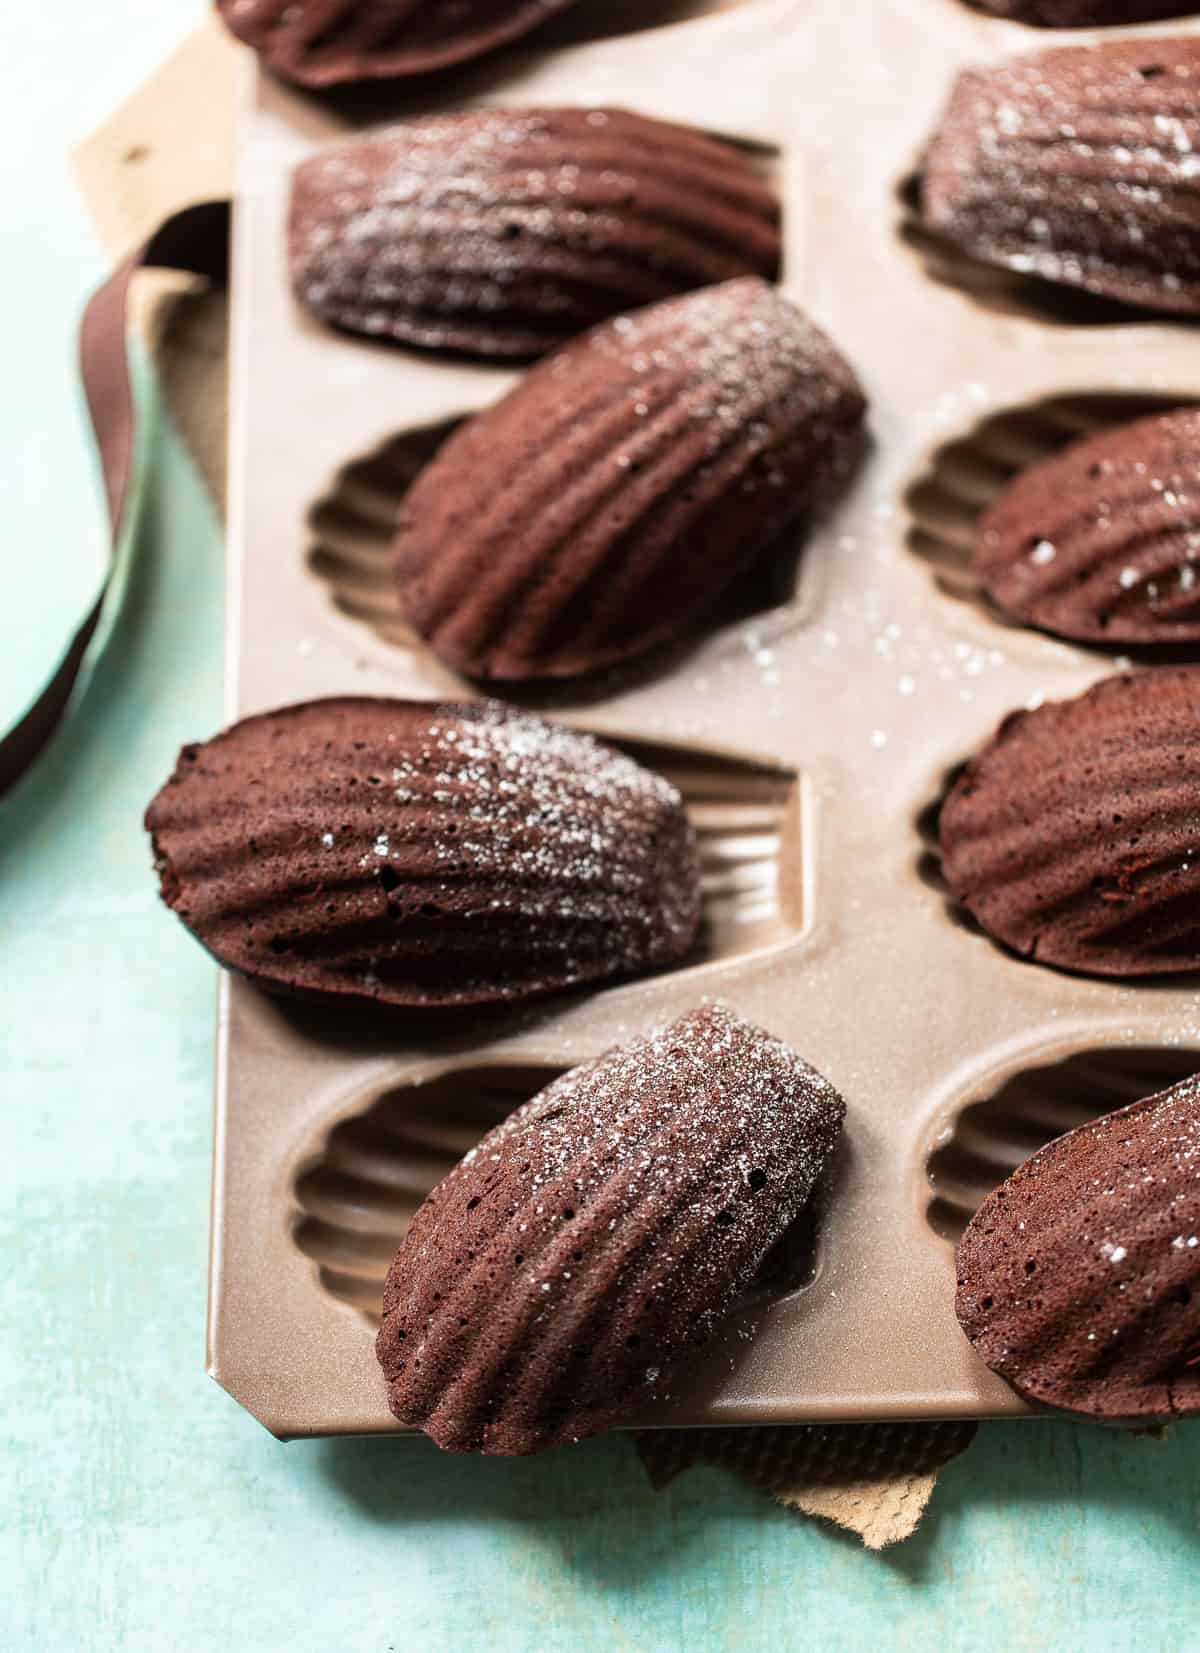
(607, 503)
(555, 1281)
(1085, 14)
(325, 42)
(1079, 1278)
(410, 853)
(1101, 542)
(1074, 836)
(1079, 165)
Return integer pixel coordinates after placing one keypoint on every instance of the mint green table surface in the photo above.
(140, 1509)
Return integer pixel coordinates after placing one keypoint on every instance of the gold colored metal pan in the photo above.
(811, 738)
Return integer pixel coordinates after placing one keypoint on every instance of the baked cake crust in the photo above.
(554, 1282)
(411, 853)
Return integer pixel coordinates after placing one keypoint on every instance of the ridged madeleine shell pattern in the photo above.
(967, 476)
(592, 21)
(1080, 166)
(409, 854)
(374, 1170)
(1079, 1279)
(990, 1138)
(1085, 14)
(607, 502)
(1074, 836)
(554, 1281)
(502, 232)
(355, 1199)
(1102, 543)
(353, 525)
(325, 42)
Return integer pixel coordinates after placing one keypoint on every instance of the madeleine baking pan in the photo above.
(811, 733)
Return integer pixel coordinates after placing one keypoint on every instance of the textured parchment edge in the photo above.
(874, 1479)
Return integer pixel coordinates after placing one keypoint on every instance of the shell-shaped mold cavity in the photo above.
(411, 853)
(624, 485)
(355, 1200)
(502, 232)
(1076, 167)
(967, 478)
(554, 1282)
(1071, 837)
(1079, 1277)
(327, 42)
(991, 1136)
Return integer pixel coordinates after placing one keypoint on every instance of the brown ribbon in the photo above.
(195, 241)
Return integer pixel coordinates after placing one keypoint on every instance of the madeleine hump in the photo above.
(1074, 836)
(1079, 1277)
(1079, 165)
(608, 502)
(410, 853)
(326, 42)
(1101, 543)
(502, 232)
(555, 1282)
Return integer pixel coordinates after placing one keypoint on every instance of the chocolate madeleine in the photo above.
(1074, 836)
(408, 853)
(324, 42)
(555, 1281)
(607, 502)
(1085, 14)
(1079, 1278)
(1081, 166)
(502, 232)
(1102, 542)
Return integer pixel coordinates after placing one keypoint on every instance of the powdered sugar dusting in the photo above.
(506, 230)
(1081, 166)
(752, 364)
(701, 1073)
(562, 1268)
(418, 854)
(1077, 1281)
